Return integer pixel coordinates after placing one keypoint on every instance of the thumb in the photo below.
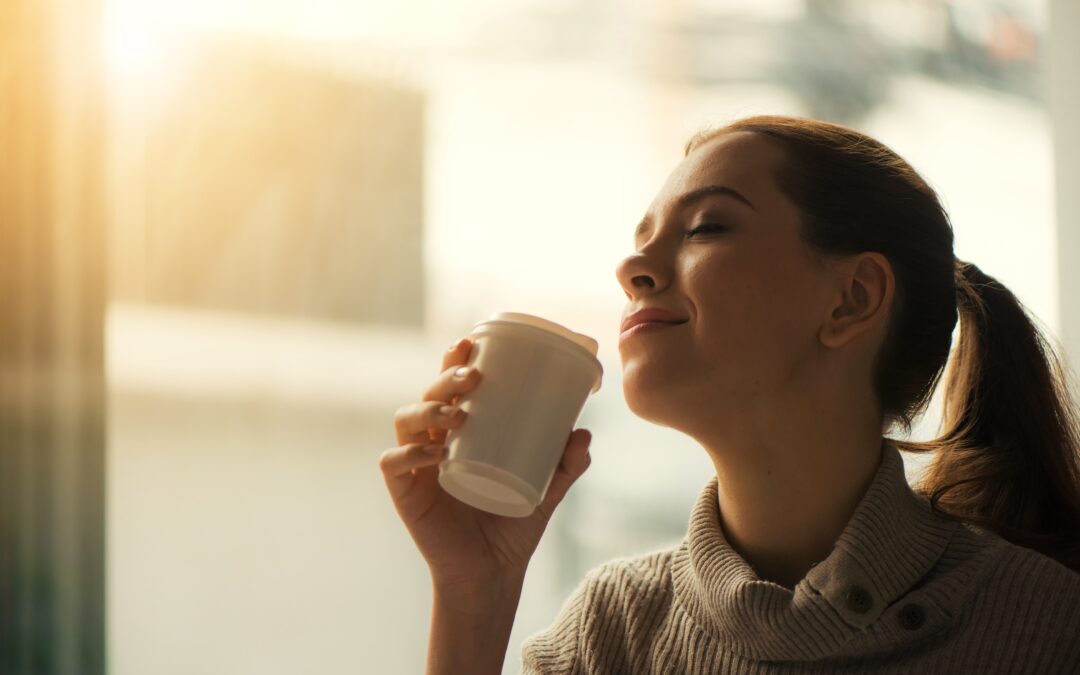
(575, 461)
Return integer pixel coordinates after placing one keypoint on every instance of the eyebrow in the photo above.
(688, 198)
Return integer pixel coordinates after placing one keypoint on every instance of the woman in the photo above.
(810, 277)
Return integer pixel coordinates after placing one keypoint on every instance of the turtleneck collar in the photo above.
(889, 544)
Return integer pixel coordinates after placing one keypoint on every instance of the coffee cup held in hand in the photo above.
(536, 376)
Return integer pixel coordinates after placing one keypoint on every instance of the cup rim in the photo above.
(589, 344)
(572, 345)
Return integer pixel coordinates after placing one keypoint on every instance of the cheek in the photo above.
(753, 308)
(735, 288)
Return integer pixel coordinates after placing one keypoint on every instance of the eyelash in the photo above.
(708, 227)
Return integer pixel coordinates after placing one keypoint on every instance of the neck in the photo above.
(790, 483)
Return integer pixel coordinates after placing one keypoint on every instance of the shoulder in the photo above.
(1017, 568)
(1036, 596)
(615, 599)
(629, 581)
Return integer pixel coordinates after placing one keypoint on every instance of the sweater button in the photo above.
(912, 617)
(859, 600)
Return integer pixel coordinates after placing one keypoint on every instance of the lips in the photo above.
(651, 315)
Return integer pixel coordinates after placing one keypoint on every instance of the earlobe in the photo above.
(865, 286)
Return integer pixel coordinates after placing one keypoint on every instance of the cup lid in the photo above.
(585, 341)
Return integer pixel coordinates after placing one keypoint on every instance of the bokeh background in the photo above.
(308, 202)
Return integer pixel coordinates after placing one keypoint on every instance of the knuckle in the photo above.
(387, 458)
(446, 386)
(432, 410)
(441, 388)
(403, 412)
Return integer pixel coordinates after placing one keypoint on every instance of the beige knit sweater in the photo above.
(903, 591)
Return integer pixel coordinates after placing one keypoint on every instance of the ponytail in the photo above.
(1008, 459)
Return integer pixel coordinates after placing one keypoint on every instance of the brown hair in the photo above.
(1007, 461)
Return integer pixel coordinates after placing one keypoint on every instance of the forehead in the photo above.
(742, 160)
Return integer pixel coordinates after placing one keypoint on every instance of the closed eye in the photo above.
(708, 227)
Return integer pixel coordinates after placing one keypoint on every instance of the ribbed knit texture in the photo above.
(903, 591)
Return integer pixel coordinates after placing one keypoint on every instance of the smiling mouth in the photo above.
(647, 327)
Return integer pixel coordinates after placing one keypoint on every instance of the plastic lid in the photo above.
(585, 341)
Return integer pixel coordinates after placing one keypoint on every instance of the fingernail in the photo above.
(448, 410)
(434, 449)
(455, 345)
(462, 372)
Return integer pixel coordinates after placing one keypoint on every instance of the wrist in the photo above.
(471, 625)
(479, 595)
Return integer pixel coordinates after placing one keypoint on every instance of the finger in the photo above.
(575, 461)
(397, 466)
(457, 379)
(427, 422)
(457, 354)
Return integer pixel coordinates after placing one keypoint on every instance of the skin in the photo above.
(770, 373)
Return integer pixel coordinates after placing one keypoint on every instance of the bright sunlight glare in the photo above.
(136, 47)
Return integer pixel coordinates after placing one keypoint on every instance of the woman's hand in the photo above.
(465, 548)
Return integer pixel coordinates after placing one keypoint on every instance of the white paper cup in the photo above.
(535, 378)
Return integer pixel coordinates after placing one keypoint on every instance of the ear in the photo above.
(864, 294)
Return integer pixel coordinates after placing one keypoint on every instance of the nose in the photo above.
(637, 273)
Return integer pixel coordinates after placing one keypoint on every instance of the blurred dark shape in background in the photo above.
(838, 56)
(52, 309)
(836, 66)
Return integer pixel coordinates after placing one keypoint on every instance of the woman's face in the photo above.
(752, 293)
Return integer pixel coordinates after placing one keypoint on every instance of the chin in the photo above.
(656, 413)
(647, 401)
(670, 398)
